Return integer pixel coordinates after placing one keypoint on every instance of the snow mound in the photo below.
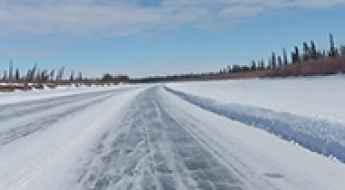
(318, 135)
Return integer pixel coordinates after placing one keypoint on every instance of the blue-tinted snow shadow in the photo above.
(321, 136)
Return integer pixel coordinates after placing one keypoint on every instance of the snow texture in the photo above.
(322, 136)
(145, 137)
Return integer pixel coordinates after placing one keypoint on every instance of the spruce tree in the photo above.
(52, 75)
(285, 58)
(306, 51)
(280, 62)
(10, 71)
(313, 51)
(295, 55)
(253, 67)
(17, 75)
(274, 60)
(332, 49)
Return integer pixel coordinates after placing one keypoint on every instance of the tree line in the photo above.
(307, 54)
(308, 60)
(37, 75)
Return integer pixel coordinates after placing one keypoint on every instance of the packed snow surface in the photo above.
(318, 135)
(21, 96)
(146, 137)
(317, 97)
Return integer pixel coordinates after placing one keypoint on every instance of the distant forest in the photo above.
(36, 74)
(305, 61)
(300, 62)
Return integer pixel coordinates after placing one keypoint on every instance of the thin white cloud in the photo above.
(125, 17)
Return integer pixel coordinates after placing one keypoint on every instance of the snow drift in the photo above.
(318, 135)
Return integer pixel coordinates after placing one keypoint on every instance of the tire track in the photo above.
(15, 110)
(150, 150)
(47, 113)
(317, 135)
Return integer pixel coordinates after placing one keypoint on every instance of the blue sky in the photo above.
(143, 37)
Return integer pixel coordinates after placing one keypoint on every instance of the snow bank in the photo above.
(49, 158)
(317, 97)
(21, 96)
(260, 157)
(318, 135)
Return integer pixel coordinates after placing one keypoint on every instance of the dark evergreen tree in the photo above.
(28, 73)
(60, 74)
(262, 64)
(107, 77)
(269, 65)
(280, 62)
(229, 69)
(32, 73)
(4, 76)
(38, 76)
(44, 76)
(10, 71)
(71, 78)
(236, 68)
(313, 51)
(323, 53)
(332, 50)
(52, 75)
(274, 61)
(80, 76)
(253, 66)
(17, 75)
(306, 51)
(295, 56)
(285, 57)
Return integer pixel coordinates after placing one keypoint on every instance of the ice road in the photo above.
(145, 137)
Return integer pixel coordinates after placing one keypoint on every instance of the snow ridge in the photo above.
(318, 135)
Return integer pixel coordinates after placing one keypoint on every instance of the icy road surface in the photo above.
(147, 138)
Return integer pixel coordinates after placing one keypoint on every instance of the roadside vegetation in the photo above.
(305, 61)
(302, 62)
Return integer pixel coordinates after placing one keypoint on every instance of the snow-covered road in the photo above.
(24, 118)
(147, 138)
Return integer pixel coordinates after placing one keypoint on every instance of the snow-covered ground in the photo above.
(147, 137)
(309, 111)
(317, 97)
(22, 96)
